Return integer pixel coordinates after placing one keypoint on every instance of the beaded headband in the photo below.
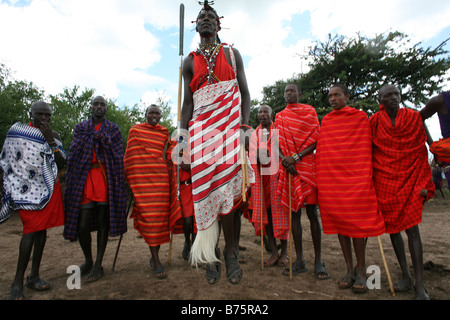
(207, 6)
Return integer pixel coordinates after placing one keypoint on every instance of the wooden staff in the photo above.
(290, 228)
(180, 81)
(244, 173)
(129, 209)
(262, 224)
(386, 266)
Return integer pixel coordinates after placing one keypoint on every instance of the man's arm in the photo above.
(435, 104)
(243, 87)
(188, 102)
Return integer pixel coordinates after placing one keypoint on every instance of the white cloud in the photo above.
(106, 45)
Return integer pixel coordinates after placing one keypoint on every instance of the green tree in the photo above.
(69, 108)
(16, 98)
(364, 65)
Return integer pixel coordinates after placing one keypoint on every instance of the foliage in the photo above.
(69, 108)
(364, 65)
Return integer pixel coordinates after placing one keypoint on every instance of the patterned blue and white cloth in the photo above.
(29, 170)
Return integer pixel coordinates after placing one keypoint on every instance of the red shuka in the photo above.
(401, 169)
(347, 199)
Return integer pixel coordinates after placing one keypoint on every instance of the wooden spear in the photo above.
(180, 80)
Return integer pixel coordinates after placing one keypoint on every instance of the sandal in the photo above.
(95, 274)
(347, 281)
(403, 285)
(186, 251)
(37, 284)
(271, 262)
(213, 270)
(283, 261)
(320, 272)
(297, 268)
(234, 271)
(360, 285)
(16, 294)
(160, 273)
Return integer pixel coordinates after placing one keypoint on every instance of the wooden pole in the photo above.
(261, 216)
(129, 209)
(386, 266)
(290, 228)
(180, 80)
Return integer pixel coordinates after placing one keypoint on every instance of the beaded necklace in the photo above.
(209, 51)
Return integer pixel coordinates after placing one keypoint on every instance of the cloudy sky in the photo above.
(128, 50)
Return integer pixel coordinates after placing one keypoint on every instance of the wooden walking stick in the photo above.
(290, 229)
(129, 209)
(386, 266)
(261, 217)
(180, 80)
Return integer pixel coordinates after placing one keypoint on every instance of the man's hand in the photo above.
(47, 132)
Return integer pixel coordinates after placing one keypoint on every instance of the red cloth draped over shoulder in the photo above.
(401, 169)
(222, 69)
(347, 199)
(267, 184)
(156, 210)
(298, 128)
(96, 187)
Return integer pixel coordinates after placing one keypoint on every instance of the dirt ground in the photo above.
(132, 278)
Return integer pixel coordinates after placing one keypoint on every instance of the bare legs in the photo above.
(356, 276)
(95, 270)
(416, 251)
(29, 241)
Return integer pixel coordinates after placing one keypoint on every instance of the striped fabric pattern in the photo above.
(215, 151)
(298, 128)
(347, 199)
(107, 144)
(401, 169)
(29, 169)
(156, 207)
(280, 217)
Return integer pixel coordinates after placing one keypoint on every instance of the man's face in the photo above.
(99, 107)
(207, 23)
(390, 97)
(153, 115)
(41, 113)
(337, 98)
(291, 94)
(264, 116)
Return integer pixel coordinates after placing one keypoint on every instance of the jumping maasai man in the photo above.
(216, 104)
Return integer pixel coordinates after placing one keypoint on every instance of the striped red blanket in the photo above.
(156, 210)
(267, 181)
(347, 199)
(215, 150)
(441, 149)
(400, 167)
(297, 128)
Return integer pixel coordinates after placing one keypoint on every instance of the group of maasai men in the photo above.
(366, 176)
